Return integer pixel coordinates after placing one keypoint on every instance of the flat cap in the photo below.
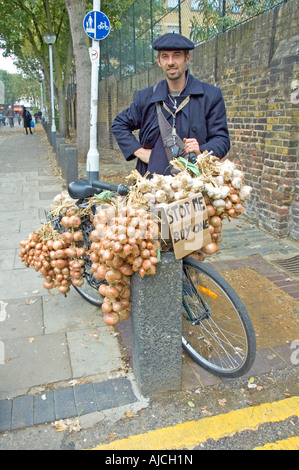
(172, 42)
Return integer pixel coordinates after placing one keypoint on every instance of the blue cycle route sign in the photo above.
(96, 25)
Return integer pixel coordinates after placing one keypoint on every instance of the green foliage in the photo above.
(18, 86)
(217, 15)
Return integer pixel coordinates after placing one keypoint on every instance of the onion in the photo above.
(111, 318)
(146, 264)
(232, 213)
(239, 208)
(57, 245)
(210, 248)
(210, 209)
(235, 198)
(215, 221)
(63, 289)
(48, 285)
(113, 275)
(111, 291)
(116, 306)
(67, 237)
(107, 306)
(77, 236)
(124, 314)
(126, 269)
(65, 221)
(101, 272)
(78, 282)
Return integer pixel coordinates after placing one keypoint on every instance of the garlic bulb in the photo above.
(237, 182)
(198, 185)
(245, 192)
(160, 196)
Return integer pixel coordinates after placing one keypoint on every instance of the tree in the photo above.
(22, 26)
(77, 10)
(17, 86)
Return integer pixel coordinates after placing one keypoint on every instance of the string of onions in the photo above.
(124, 241)
(58, 257)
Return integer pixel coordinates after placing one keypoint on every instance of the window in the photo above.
(195, 5)
(173, 29)
(236, 9)
(173, 3)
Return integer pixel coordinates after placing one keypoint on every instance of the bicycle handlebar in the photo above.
(121, 189)
(83, 188)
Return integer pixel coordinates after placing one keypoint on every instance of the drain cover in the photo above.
(291, 264)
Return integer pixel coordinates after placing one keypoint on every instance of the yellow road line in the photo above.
(287, 444)
(191, 433)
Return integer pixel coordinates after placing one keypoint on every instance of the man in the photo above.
(10, 114)
(194, 111)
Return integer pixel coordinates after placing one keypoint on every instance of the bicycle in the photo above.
(217, 331)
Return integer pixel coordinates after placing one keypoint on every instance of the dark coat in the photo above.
(26, 117)
(203, 118)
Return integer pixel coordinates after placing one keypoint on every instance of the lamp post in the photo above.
(50, 40)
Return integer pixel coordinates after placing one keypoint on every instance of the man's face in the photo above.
(173, 63)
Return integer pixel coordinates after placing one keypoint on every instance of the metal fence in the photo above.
(127, 50)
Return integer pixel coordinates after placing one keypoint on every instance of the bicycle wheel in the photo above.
(217, 331)
(89, 290)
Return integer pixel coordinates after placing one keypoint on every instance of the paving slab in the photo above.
(34, 361)
(93, 351)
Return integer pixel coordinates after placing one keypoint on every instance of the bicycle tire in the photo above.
(89, 290)
(226, 345)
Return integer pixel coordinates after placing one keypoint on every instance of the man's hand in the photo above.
(143, 154)
(191, 145)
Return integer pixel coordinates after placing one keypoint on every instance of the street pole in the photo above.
(53, 128)
(50, 40)
(92, 166)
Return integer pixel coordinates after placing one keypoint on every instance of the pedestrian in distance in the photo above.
(10, 114)
(178, 116)
(27, 120)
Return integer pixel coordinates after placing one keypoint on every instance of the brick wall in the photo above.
(257, 68)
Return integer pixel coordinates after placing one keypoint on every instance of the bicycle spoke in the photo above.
(213, 325)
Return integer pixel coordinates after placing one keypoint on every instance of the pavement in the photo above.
(58, 359)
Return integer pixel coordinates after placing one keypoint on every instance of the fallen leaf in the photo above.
(205, 411)
(128, 414)
(222, 401)
(60, 426)
(31, 340)
(191, 404)
(94, 335)
(67, 425)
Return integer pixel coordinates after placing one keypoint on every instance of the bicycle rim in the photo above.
(217, 331)
(89, 290)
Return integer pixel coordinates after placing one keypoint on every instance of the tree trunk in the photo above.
(77, 10)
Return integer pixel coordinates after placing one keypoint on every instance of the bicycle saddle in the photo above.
(81, 189)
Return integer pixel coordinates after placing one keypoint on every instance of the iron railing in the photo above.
(127, 50)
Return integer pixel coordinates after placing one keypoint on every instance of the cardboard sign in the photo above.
(188, 224)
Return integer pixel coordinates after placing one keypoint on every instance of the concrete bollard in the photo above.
(61, 157)
(156, 311)
(59, 141)
(71, 164)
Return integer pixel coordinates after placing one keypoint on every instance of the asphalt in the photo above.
(58, 359)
